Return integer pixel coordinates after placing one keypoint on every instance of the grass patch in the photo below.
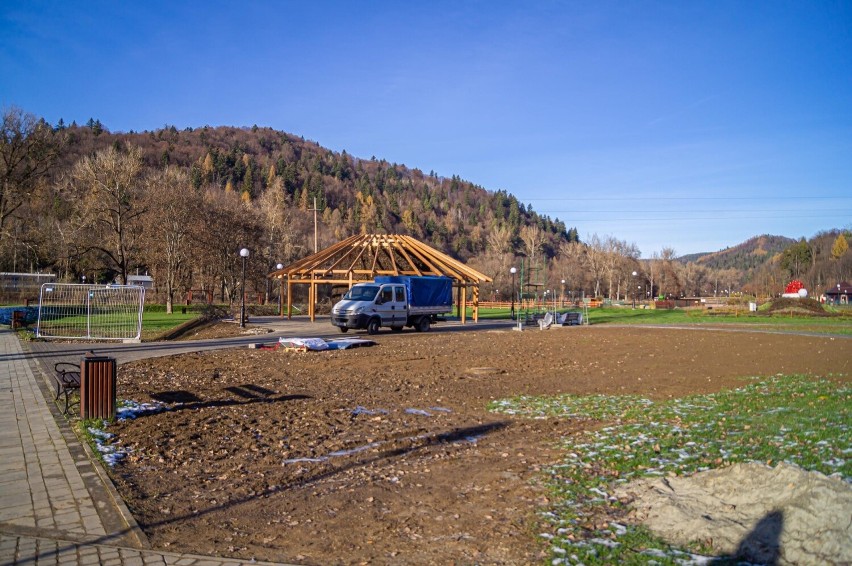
(794, 419)
(778, 320)
(93, 432)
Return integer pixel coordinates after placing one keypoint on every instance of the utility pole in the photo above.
(315, 209)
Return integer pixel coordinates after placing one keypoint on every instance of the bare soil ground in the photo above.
(388, 454)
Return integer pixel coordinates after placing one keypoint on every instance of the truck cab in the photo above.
(395, 301)
(371, 306)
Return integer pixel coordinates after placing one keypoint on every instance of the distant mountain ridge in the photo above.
(752, 253)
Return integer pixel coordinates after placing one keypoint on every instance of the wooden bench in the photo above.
(67, 378)
(570, 319)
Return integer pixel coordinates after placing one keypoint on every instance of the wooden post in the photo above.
(463, 302)
(312, 298)
(289, 299)
(476, 303)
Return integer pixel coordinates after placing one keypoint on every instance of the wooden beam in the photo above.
(361, 252)
(389, 249)
(375, 259)
(410, 261)
(476, 303)
(289, 298)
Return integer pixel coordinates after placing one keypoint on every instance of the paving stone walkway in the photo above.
(56, 505)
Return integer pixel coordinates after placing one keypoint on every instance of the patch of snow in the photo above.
(359, 410)
(300, 460)
(420, 412)
(129, 410)
(605, 542)
(603, 494)
(353, 450)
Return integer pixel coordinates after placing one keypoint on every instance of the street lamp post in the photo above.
(513, 271)
(634, 292)
(244, 253)
(562, 296)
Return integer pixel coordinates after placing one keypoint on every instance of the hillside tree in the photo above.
(795, 258)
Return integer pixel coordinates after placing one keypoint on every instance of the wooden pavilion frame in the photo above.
(363, 257)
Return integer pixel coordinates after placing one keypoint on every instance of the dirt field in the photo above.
(387, 454)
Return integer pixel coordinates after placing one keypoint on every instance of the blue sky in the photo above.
(693, 125)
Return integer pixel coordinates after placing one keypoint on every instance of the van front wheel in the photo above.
(373, 326)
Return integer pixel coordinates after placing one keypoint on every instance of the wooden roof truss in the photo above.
(363, 257)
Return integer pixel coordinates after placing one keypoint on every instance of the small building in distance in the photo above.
(145, 281)
(839, 294)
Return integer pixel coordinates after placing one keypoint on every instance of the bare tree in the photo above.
(596, 256)
(171, 203)
(694, 278)
(533, 239)
(668, 277)
(571, 265)
(111, 204)
(226, 226)
(28, 149)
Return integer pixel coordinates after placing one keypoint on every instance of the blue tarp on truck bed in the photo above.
(425, 291)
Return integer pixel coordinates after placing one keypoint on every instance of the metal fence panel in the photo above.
(91, 312)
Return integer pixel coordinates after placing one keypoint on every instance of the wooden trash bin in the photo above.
(97, 387)
(19, 319)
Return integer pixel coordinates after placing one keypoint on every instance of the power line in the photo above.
(668, 198)
(713, 218)
(796, 212)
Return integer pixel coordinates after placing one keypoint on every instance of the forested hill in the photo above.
(746, 256)
(80, 200)
(353, 195)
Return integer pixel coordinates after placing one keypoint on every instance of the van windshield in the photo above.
(362, 293)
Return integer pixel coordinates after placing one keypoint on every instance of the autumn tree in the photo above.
(839, 249)
(111, 205)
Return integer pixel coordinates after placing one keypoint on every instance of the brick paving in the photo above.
(57, 506)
